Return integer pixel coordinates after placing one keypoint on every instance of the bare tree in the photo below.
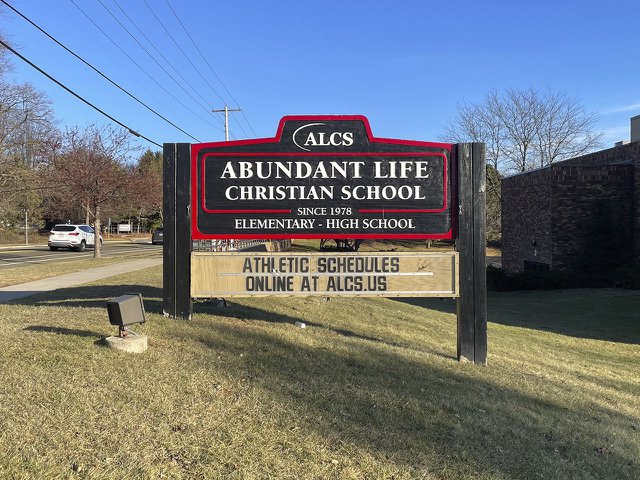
(525, 129)
(90, 168)
(5, 64)
(26, 125)
(26, 122)
(148, 179)
(564, 128)
(19, 193)
(481, 123)
(518, 114)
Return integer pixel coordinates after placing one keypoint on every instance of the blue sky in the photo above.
(403, 64)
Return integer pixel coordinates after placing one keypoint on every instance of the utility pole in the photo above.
(226, 111)
(226, 138)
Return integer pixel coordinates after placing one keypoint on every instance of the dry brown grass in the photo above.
(22, 274)
(370, 389)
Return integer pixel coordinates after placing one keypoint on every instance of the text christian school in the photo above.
(345, 170)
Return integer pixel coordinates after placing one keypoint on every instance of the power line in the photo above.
(187, 57)
(153, 58)
(130, 130)
(156, 49)
(142, 69)
(182, 51)
(209, 65)
(98, 71)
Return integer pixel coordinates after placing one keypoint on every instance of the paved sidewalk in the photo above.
(13, 292)
(19, 246)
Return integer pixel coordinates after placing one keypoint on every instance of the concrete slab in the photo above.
(130, 344)
(14, 292)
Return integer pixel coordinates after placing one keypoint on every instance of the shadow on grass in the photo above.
(246, 313)
(95, 297)
(61, 331)
(444, 305)
(599, 314)
(428, 416)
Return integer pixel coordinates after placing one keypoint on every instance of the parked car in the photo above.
(156, 238)
(72, 236)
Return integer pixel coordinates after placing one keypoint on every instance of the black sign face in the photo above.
(321, 177)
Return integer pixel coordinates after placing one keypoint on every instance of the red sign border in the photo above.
(196, 148)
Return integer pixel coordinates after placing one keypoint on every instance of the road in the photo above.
(23, 256)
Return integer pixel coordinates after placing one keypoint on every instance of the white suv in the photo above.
(76, 237)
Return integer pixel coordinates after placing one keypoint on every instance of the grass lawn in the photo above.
(370, 389)
(29, 273)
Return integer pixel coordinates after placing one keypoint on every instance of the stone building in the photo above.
(579, 216)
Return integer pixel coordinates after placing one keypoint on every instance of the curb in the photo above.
(14, 247)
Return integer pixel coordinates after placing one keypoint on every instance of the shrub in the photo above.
(499, 280)
(627, 276)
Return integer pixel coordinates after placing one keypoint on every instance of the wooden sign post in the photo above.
(327, 177)
(471, 245)
(177, 243)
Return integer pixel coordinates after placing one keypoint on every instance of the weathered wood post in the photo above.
(177, 244)
(471, 243)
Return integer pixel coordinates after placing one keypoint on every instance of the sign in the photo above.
(322, 177)
(301, 274)
(227, 190)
